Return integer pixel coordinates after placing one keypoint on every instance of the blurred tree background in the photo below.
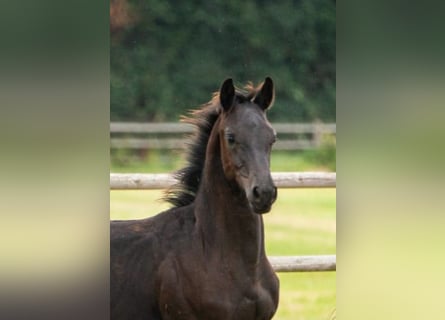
(169, 56)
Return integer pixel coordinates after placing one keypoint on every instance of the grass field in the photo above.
(302, 222)
(168, 161)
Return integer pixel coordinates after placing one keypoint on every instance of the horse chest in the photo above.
(254, 302)
(219, 296)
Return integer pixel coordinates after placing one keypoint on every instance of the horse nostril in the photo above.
(256, 194)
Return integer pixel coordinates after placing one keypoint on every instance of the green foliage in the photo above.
(171, 55)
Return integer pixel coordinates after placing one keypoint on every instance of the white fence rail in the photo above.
(135, 135)
(135, 181)
(174, 127)
(304, 263)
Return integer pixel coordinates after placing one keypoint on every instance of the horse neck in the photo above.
(223, 214)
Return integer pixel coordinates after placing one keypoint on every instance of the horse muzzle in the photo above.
(261, 198)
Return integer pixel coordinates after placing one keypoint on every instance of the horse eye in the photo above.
(230, 139)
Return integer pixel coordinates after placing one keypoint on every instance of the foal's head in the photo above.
(246, 139)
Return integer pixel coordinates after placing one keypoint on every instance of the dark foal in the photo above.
(205, 257)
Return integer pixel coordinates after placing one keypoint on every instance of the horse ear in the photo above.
(227, 94)
(266, 94)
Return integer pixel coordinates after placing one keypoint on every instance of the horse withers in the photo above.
(204, 258)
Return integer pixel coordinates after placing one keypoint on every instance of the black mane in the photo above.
(203, 119)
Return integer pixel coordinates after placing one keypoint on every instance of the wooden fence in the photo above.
(133, 135)
(129, 181)
(147, 181)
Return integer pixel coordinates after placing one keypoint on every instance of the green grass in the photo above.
(302, 222)
(153, 161)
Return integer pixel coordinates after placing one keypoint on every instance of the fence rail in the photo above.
(174, 127)
(135, 181)
(304, 263)
(135, 135)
